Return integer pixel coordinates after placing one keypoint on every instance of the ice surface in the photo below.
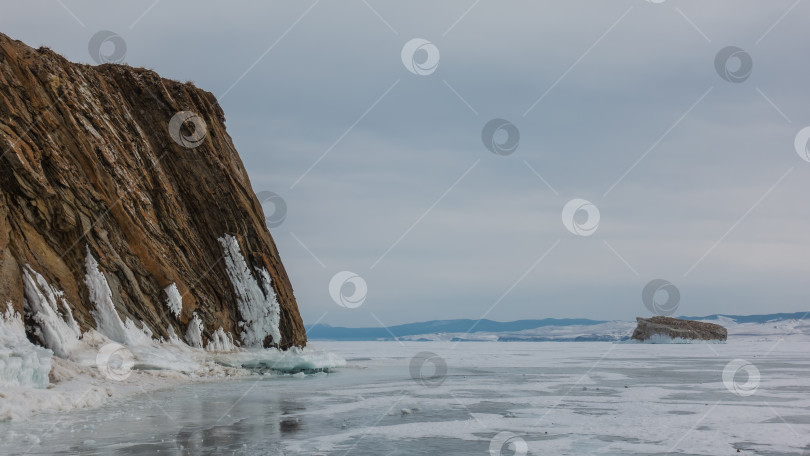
(258, 305)
(56, 331)
(295, 359)
(558, 398)
(82, 382)
(173, 300)
(370, 398)
(664, 339)
(21, 362)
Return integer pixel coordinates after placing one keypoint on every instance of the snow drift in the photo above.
(121, 357)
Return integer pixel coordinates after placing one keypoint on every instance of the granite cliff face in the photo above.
(116, 165)
(676, 328)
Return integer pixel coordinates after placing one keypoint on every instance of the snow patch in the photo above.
(194, 332)
(221, 341)
(173, 337)
(258, 305)
(21, 362)
(80, 381)
(173, 300)
(108, 322)
(55, 331)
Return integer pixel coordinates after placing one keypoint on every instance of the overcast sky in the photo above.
(692, 166)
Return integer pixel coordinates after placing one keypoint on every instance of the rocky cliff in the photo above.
(114, 170)
(675, 328)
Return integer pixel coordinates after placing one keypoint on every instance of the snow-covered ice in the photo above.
(118, 358)
(545, 397)
(257, 303)
(107, 319)
(56, 329)
(194, 331)
(118, 390)
(22, 364)
(221, 341)
(174, 301)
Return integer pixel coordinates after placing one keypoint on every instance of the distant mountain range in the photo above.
(548, 329)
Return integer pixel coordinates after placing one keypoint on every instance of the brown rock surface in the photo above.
(677, 328)
(88, 162)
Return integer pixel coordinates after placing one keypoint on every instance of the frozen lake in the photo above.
(495, 398)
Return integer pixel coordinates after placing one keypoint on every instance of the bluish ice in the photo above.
(435, 398)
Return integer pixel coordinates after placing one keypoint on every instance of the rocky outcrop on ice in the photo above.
(125, 208)
(661, 328)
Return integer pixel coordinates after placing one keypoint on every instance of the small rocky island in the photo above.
(676, 328)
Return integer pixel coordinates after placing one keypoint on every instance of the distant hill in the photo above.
(438, 326)
(548, 329)
(756, 318)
